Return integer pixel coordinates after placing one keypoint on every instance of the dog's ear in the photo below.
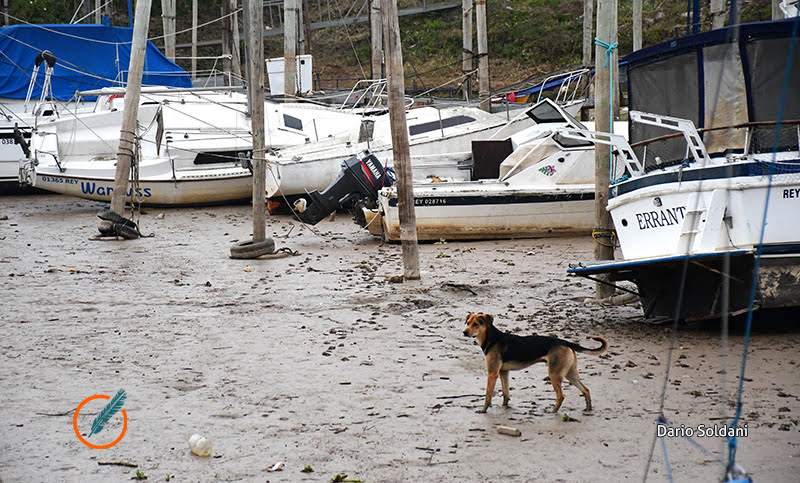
(487, 319)
(469, 316)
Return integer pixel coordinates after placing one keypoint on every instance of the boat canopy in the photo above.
(87, 57)
(725, 77)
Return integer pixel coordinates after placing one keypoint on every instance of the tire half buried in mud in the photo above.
(249, 249)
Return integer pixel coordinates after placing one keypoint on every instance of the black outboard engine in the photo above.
(361, 178)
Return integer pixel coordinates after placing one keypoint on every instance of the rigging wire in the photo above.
(350, 40)
(732, 440)
(676, 317)
(732, 468)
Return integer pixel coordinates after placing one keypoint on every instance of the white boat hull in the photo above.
(193, 147)
(187, 191)
(492, 213)
(705, 216)
(441, 153)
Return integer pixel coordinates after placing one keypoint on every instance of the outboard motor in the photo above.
(361, 178)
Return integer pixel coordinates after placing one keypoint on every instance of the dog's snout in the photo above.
(466, 333)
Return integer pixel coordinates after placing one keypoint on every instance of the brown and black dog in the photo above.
(509, 352)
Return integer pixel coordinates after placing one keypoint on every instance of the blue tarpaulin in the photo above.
(88, 57)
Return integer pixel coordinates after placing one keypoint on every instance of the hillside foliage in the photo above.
(527, 38)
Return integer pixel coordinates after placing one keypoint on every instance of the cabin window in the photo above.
(567, 143)
(544, 113)
(292, 122)
(434, 125)
(217, 157)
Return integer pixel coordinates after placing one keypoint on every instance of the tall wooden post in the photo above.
(306, 28)
(227, 57)
(483, 56)
(290, 26)
(255, 13)
(717, 12)
(605, 59)
(376, 30)
(466, 50)
(395, 81)
(236, 54)
(98, 12)
(777, 13)
(168, 20)
(5, 12)
(127, 146)
(194, 39)
(588, 28)
(301, 30)
(637, 25)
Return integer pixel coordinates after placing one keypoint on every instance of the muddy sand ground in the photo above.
(317, 360)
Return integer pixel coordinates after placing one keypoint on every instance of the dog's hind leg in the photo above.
(556, 380)
(572, 376)
(504, 383)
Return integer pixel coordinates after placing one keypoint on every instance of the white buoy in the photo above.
(200, 445)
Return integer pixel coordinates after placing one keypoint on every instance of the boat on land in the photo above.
(439, 142)
(193, 145)
(537, 182)
(707, 205)
(43, 67)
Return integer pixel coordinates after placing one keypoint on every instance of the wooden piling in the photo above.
(483, 55)
(127, 146)
(604, 67)
(400, 147)
(290, 25)
(588, 28)
(466, 50)
(255, 13)
(376, 30)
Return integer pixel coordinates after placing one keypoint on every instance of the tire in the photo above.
(106, 228)
(249, 249)
(115, 218)
(127, 232)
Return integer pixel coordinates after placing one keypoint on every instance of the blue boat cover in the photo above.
(88, 57)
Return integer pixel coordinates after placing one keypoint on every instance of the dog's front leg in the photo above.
(491, 381)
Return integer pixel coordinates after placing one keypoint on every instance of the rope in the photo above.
(732, 440)
(663, 420)
(608, 57)
(350, 39)
(599, 233)
(673, 338)
(666, 458)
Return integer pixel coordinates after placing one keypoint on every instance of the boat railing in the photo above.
(624, 163)
(743, 139)
(366, 93)
(570, 85)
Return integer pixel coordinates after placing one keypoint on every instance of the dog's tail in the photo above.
(599, 350)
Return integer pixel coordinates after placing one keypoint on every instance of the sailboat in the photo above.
(43, 67)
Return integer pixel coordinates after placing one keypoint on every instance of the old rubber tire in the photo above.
(250, 249)
(127, 232)
(116, 218)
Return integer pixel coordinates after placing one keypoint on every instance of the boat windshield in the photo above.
(546, 112)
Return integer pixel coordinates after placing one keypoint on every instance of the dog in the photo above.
(509, 352)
